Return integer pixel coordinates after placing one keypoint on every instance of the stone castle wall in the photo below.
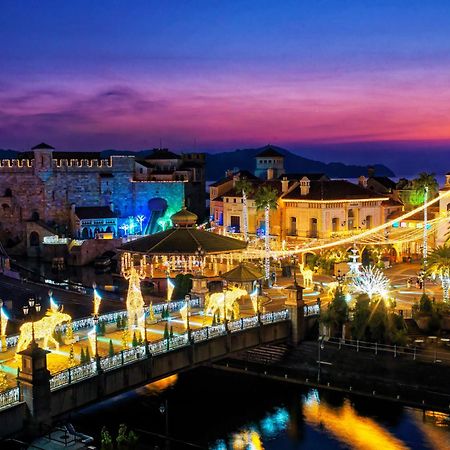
(45, 188)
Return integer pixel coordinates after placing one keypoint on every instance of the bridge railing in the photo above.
(130, 355)
(9, 397)
(88, 322)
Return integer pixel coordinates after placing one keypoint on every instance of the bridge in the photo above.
(40, 397)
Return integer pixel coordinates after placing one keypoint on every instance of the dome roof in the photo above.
(184, 218)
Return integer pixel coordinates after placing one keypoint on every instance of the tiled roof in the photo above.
(162, 153)
(269, 152)
(144, 163)
(299, 176)
(240, 174)
(43, 146)
(184, 241)
(385, 181)
(243, 273)
(275, 184)
(331, 190)
(94, 212)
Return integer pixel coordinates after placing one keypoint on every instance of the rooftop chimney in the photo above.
(304, 186)
(284, 185)
(362, 181)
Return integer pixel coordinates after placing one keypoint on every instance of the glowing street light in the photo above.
(3, 324)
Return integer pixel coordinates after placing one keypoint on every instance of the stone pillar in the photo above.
(200, 288)
(34, 381)
(296, 305)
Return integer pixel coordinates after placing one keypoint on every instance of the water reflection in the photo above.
(211, 409)
(340, 426)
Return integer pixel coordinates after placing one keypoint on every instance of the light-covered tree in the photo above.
(246, 188)
(439, 266)
(266, 199)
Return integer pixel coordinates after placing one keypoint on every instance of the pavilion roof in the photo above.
(243, 273)
(184, 241)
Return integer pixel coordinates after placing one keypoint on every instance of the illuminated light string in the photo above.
(350, 239)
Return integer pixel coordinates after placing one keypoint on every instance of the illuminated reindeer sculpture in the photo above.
(224, 302)
(43, 328)
(135, 301)
(307, 274)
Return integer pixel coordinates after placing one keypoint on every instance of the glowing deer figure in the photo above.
(224, 302)
(135, 301)
(43, 329)
(307, 274)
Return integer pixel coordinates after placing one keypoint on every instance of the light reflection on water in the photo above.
(341, 424)
(216, 411)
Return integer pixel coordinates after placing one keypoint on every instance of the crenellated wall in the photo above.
(44, 189)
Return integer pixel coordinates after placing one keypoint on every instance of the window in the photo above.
(334, 224)
(293, 226)
(351, 219)
(8, 192)
(368, 222)
(313, 228)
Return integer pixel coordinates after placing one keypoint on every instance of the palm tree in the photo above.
(439, 265)
(426, 181)
(425, 187)
(244, 186)
(266, 198)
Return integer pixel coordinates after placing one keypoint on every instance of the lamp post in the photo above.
(340, 278)
(187, 299)
(319, 362)
(3, 334)
(32, 309)
(97, 359)
(294, 263)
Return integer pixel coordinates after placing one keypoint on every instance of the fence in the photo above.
(434, 354)
(130, 355)
(10, 397)
(88, 322)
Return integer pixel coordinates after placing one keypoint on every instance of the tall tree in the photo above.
(266, 199)
(439, 265)
(423, 181)
(246, 188)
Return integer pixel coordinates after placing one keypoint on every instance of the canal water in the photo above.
(212, 409)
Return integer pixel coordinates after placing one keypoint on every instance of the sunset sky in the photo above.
(224, 74)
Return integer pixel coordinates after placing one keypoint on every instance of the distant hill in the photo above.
(218, 163)
(244, 159)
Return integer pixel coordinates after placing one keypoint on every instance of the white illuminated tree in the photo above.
(266, 199)
(245, 187)
(140, 220)
(370, 281)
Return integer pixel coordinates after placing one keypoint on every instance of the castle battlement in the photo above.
(16, 163)
(83, 163)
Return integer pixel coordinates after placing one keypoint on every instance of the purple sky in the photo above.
(220, 75)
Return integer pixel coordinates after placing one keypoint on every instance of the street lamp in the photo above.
(294, 263)
(340, 278)
(2, 328)
(32, 309)
(319, 362)
(97, 359)
(187, 299)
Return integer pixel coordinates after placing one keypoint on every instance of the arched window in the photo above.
(313, 228)
(35, 216)
(34, 239)
(8, 192)
(334, 224)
